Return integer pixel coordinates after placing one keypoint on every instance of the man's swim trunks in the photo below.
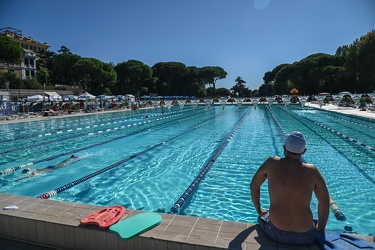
(286, 237)
(51, 167)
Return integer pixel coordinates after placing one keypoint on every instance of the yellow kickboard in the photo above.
(136, 225)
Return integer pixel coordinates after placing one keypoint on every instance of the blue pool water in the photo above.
(151, 162)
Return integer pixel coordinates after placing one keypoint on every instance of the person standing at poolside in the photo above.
(291, 183)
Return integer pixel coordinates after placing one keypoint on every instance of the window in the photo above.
(27, 72)
(32, 73)
(31, 62)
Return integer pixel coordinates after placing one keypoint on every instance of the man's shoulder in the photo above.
(310, 166)
(274, 158)
(271, 161)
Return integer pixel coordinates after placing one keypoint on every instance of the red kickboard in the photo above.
(105, 217)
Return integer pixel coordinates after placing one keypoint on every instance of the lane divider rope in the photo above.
(76, 182)
(74, 136)
(13, 169)
(337, 133)
(193, 186)
(113, 120)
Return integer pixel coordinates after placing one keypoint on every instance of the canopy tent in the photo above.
(53, 96)
(86, 96)
(129, 97)
(35, 98)
(51, 93)
(69, 98)
(101, 97)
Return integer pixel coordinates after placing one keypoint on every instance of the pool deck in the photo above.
(47, 224)
(344, 110)
(329, 107)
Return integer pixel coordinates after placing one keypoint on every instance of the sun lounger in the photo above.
(49, 112)
(23, 115)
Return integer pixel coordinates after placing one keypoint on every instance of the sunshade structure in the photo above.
(35, 98)
(324, 93)
(294, 91)
(102, 97)
(86, 96)
(69, 98)
(345, 93)
(106, 98)
(53, 96)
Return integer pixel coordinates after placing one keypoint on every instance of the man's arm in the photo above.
(258, 179)
(321, 193)
(29, 176)
(24, 178)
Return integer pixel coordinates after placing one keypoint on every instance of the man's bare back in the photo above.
(291, 184)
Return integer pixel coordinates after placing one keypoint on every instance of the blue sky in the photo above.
(245, 37)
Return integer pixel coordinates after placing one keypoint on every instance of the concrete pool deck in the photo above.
(328, 107)
(343, 110)
(47, 224)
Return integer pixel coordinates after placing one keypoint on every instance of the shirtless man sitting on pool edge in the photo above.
(291, 183)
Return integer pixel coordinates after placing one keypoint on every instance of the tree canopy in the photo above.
(211, 74)
(132, 75)
(169, 73)
(352, 69)
(240, 89)
(10, 51)
(62, 65)
(95, 76)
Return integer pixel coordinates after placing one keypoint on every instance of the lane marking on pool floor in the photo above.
(13, 169)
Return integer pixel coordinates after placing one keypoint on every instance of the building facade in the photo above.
(27, 68)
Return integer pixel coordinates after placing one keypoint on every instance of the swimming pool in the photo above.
(151, 162)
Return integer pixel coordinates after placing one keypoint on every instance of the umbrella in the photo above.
(101, 97)
(69, 97)
(324, 93)
(35, 98)
(294, 91)
(55, 98)
(86, 96)
(345, 93)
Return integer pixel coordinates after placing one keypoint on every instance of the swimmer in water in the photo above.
(33, 172)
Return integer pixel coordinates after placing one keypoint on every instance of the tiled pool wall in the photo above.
(56, 224)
